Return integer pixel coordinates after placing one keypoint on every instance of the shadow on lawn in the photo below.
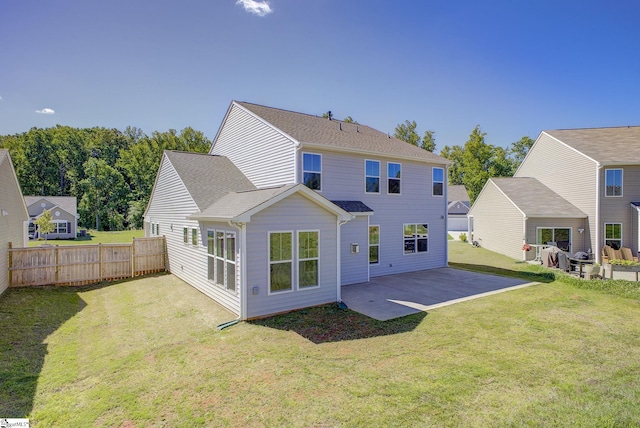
(545, 277)
(329, 323)
(27, 317)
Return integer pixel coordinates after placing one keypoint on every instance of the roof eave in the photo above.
(373, 153)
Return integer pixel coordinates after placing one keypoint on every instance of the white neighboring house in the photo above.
(458, 208)
(64, 215)
(288, 207)
(13, 216)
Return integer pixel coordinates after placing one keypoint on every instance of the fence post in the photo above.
(133, 258)
(100, 260)
(10, 265)
(57, 264)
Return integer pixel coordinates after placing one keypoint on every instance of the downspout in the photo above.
(597, 245)
(524, 238)
(339, 223)
(446, 214)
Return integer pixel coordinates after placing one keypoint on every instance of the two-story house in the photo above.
(13, 216)
(579, 188)
(288, 207)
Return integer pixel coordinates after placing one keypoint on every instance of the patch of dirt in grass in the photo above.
(330, 323)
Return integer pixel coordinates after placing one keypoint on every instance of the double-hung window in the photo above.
(374, 245)
(308, 259)
(280, 261)
(312, 171)
(613, 182)
(194, 236)
(416, 238)
(185, 235)
(613, 235)
(393, 177)
(438, 181)
(372, 176)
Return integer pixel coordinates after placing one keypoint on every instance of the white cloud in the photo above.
(257, 7)
(46, 111)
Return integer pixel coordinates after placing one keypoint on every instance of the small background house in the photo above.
(457, 210)
(13, 216)
(63, 213)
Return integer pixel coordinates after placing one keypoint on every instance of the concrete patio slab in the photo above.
(393, 296)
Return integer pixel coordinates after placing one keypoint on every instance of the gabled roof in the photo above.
(457, 192)
(65, 203)
(534, 199)
(608, 146)
(314, 131)
(240, 206)
(207, 177)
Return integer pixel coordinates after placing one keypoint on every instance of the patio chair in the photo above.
(627, 254)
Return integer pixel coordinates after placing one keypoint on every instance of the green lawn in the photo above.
(146, 352)
(95, 237)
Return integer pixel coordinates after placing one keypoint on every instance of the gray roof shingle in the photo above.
(67, 203)
(314, 130)
(207, 177)
(457, 192)
(353, 206)
(236, 203)
(535, 199)
(617, 145)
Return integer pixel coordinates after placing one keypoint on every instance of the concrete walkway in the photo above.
(393, 296)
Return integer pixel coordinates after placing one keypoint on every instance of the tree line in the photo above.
(110, 172)
(474, 162)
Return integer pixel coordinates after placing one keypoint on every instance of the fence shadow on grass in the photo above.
(329, 323)
(545, 277)
(27, 317)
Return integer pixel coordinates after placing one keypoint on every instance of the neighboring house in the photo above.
(63, 214)
(13, 216)
(458, 208)
(287, 207)
(587, 187)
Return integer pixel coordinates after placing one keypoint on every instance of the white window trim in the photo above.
(372, 176)
(393, 178)
(621, 183)
(378, 244)
(433, 182)
(554, 234)
(224, 260)
(298, 260)
(313, 172)
(613, 239)
(194, 229)
(269, 263)
(416, 240)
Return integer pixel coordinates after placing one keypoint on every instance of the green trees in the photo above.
(44, 224)
(110, 172)
(407, 132)
(476, 161)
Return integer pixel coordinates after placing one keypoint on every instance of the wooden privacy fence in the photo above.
(85, 264)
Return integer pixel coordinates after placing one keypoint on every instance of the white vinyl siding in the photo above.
(505, 236)
(12, 220)
(343, 180)
(568, 173)
(264, 155)
(169, 206)
(294, 214)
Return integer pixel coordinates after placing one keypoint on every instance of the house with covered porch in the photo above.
(586, 182)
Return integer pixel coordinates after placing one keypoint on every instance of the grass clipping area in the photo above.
(146, 353)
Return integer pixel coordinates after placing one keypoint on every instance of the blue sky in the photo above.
(513, 67)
